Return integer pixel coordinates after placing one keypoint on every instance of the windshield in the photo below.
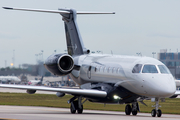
(163, 69)
(149, 69)
(137, 68)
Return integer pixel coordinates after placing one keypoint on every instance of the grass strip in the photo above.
(171, 106)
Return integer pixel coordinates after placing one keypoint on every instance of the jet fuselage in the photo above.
(118, 70)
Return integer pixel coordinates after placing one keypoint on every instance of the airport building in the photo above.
(171, 60)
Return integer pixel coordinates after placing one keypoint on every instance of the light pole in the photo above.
(5, 63)
(153, 53)
(36, 58)
(13, 58)
(42, 54)
(99, 51)
(138, 54)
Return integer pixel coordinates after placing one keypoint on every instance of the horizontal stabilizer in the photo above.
(37, 10)
(57, 11)
(91, 12)
(73, 91)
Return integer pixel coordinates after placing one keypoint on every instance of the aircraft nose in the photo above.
(168, 91)
(167, 88)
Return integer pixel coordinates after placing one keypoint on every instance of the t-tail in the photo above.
(75, 45)
(74, 41)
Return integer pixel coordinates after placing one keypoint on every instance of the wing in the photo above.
(177, 92)
(73, 91)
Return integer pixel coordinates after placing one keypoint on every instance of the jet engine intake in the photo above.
(59, 64)
(59, 94)
(31, 91)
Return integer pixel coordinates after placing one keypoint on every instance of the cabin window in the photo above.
(98, 69)
(109, 70)
(137, 68)
(101, 69)
(149, 69)
(163, 69)
(113, 70)
(95, 69)
(117, 70)
(105, 69)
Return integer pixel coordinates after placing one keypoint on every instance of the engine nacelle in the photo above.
(174, 96)
(59, 94)
(59, 64)
(31, 91)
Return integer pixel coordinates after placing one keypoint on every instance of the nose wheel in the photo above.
(153, 113)
(156, 111)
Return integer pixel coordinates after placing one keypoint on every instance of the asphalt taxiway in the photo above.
(47, 113)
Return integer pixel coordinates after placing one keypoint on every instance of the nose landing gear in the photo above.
(156, 111)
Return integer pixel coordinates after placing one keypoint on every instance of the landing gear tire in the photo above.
(72, 109)
(134, 109)
(159, 113)
(153, 113)
(80, 111)
(134, 112)
(128, 110)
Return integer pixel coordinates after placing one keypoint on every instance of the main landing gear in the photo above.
(156, 111)
(76, 105)
(134, 109)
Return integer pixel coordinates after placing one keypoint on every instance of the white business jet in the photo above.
(104, 78)
(9, 79)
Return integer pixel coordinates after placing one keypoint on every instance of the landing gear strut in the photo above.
(135, 108)
(76, 105)
(156, 111)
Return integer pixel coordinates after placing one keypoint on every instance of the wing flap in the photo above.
(74, 91)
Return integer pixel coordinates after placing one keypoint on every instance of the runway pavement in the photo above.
(47, 113)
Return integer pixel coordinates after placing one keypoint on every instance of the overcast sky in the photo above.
(144, 26)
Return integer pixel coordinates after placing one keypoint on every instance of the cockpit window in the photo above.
(163, 69)
(137, 68)
(149, 69)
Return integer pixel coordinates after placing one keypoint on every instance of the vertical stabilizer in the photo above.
(74, 41)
